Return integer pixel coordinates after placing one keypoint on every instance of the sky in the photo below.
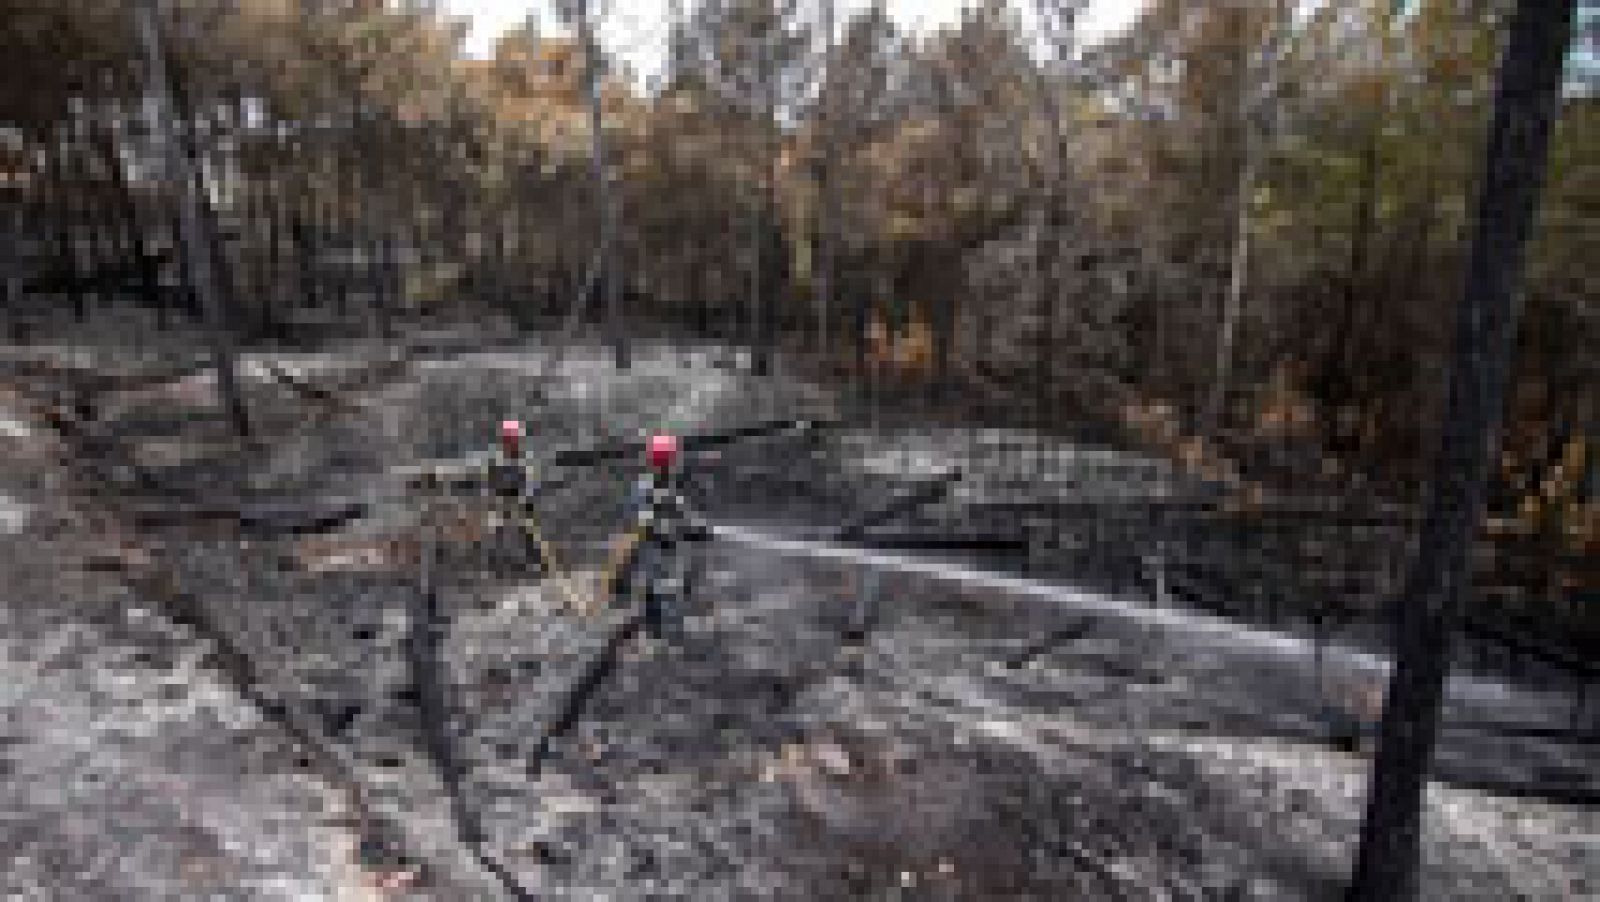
(636, 30)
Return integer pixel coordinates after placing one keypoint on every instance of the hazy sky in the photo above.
(636, 29)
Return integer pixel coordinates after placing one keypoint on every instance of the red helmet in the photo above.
(662, 452)
(511, 433)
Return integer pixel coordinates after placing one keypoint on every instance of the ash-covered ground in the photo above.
(996, 728)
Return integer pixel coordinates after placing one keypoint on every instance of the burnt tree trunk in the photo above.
(1341, 382)
(1430, 602)
(65, 209)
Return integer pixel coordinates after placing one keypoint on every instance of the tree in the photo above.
(1256, 114)
(1439, 577)
(827, 217)
(981, 129)
(1058, 24)
(859, 101)
(754, 68)
(583, 18)
(198, 252)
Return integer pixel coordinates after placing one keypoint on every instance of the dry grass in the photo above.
(903, 356)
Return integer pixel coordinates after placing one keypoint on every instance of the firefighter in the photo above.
(663, 521)
(508, 478)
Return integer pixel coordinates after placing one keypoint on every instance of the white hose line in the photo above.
(1281, 645)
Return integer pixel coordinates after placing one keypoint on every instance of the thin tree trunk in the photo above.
(344, 227)
(1060, 20)
(1343, 356)
(942, 320)
(101, 240)
(303, 232)
(1044, 272)
(754, 319)
(11, 265)
(599, 169)
(1233, 300)
(194, 236)
(389, 283)
(827, 199)
(99, 255)
(1249, 173)
(752, 305)
(13, 260)
(1439, 578)
(760, 300)
(274, 209)
(70, 274)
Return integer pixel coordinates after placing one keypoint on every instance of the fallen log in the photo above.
(264, 520)
(929, 491)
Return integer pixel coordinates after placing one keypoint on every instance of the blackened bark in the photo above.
(390, 285)
(147, 266)
(1430, 603)
(305, 260)
(942, 316)
(860, 315)
(65, 209)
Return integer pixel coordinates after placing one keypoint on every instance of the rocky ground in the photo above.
(988, 736)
